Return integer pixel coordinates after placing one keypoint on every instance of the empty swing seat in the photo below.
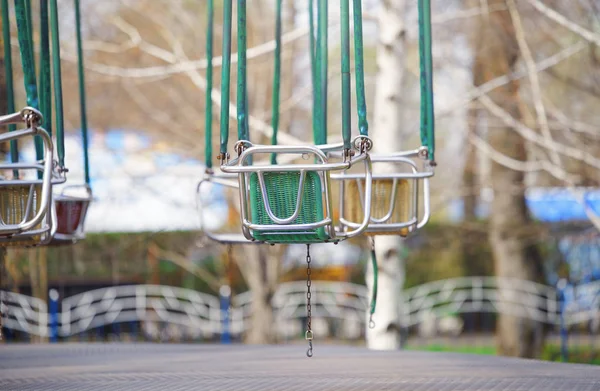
(222, 190)
(391, 202)
(282, 189)
(17, 203)
(71, 211)
(292, 203)
(25, 204)
(394, 197)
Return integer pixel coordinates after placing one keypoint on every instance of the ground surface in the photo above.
(247, 368)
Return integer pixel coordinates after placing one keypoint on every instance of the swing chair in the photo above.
(224, 182)
(396, 205)
(72, 204)
(26, 214)
(292, 202)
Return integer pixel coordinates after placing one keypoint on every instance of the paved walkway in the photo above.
(264, 368)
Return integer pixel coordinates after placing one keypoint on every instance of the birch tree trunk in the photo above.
(386, 133)
(261, 268)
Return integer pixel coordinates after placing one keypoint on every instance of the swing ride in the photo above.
(284, 193)
(292, 202)
(30, 214)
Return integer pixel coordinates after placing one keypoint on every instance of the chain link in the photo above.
(309, 333)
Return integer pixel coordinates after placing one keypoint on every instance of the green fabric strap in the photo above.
(45, 83)
(426, 78)
(8, 70)
(57, 73)
(209, 84)
(82, 102)
(242, 84)
(313, 70)
(226, 74)
(276, 79)
(346, 84)
(375, 279)
(322, 63)
(359, 66)
(30, 29)
(26, 50)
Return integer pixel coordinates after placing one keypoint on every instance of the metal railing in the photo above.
(345, 302)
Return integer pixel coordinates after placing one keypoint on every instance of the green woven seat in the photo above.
(282, 192)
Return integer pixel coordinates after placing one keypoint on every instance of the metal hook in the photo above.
(371, 322)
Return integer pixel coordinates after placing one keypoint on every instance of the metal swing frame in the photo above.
(418, 173)
(68, 234)
(39, 225)
(418, 213)
(322, 166)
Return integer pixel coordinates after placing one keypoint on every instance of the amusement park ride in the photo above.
(279, 203)
(292, 202)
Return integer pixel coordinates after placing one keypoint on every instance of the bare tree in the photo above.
(387, 127)
(510, 225)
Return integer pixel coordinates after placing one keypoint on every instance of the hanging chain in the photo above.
(309, 333)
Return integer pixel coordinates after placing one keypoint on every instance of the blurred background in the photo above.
(509, 263)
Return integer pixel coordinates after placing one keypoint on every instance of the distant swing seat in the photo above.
(25, 204)
(228, 183)
(71, 211)
(292, 203)
(395, 203)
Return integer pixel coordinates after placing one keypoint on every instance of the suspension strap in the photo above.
(8, 71)
(320, 132)
(426, 79)
(359, 69)
(57, 73)
(276, 79)
(313, 70)
(29, 17)
(209, 85)
(309, 333)
(45, 84)
(242, 84)
(375, 279)
(346, 87)
(82, 102)
(225, 76)
(26, 50)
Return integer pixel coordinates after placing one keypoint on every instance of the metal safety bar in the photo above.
(243, 167)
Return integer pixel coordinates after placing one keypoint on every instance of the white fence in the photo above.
(346, 303)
